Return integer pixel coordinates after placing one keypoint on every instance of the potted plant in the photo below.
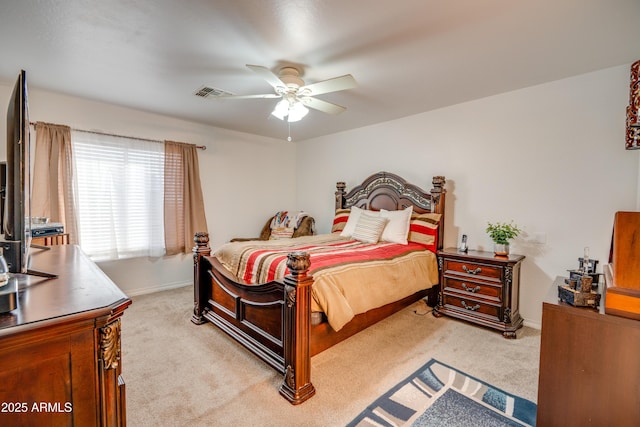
(501, 233)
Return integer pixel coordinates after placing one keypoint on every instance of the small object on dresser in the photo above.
(586, 283)
(463, 244)
(586, 267)
(41, 229)
(8, 288)
(9, 295)
(39, 220)
(4, 270)
(576, 274)
(578, 292)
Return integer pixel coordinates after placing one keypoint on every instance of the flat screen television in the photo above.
(17, 196)
(16, 224)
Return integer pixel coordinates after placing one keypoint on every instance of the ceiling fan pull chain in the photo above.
(289, 137)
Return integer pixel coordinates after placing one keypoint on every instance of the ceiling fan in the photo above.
(296, 96)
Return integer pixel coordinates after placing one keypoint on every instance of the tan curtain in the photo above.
(52, 185)
(183, 201)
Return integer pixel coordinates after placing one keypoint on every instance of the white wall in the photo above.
(549, 157)
(241, 187)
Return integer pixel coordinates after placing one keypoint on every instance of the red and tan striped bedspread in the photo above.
(350, 277)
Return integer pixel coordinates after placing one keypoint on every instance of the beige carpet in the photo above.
(181, 374)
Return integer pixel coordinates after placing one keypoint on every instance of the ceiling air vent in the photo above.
(206, 91)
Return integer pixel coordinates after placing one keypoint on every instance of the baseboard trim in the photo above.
(154, 289)
(534, 325)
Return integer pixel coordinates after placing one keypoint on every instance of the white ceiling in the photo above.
(408, 56)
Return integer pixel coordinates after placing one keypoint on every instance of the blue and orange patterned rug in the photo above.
(438, 395)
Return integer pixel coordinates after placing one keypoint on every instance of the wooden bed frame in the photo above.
(273, 320)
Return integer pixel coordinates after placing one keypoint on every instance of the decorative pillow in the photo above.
(354, 216)
(339, 220)
(369, 227)
(423, 229)
(397, 229)
(281, 233)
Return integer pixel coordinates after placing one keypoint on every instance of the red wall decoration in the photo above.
(633, 109)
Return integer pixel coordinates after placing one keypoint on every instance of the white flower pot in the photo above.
(500, 249)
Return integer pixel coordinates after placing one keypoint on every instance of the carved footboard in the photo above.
(272, 320)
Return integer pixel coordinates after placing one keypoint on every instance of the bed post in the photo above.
(340, 186)
(201, 239)
(296, 386)
(438, 197)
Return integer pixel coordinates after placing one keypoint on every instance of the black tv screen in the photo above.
(17, 209)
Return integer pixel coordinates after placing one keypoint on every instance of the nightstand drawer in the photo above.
(473, 268)
(491, 292)
(471, 306)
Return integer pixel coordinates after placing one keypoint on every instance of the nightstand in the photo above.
(481, 288)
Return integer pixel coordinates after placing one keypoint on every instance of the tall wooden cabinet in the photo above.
(60, 348)
(589, 366)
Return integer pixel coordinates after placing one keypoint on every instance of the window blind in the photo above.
(120, 184)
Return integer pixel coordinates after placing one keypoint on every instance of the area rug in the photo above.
(440, 395)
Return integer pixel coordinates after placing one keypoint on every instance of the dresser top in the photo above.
(80, 288)
(480, 255)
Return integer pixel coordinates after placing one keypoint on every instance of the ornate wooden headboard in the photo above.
(385, 190)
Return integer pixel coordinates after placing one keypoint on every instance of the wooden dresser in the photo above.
(481, 288)
(589, 366)
(60, 349)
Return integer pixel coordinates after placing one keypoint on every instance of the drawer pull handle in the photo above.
(468, 289)
(475, 271)
(469, 307)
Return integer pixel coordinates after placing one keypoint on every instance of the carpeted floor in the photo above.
(180, 374)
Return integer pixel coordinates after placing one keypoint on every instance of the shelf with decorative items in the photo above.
(480, 287)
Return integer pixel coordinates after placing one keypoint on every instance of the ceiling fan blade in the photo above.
(268, 75)
(320, 105)
(264, 95)
(330, 85)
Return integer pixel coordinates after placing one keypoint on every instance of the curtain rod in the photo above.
(201, 147)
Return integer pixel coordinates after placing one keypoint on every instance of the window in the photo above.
(120, 185)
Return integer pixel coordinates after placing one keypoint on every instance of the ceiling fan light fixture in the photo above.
(297, 111)
(294, 109)
(281, 110)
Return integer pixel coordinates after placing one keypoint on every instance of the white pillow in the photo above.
(354, 216)
(397, 229)
(369, 228)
